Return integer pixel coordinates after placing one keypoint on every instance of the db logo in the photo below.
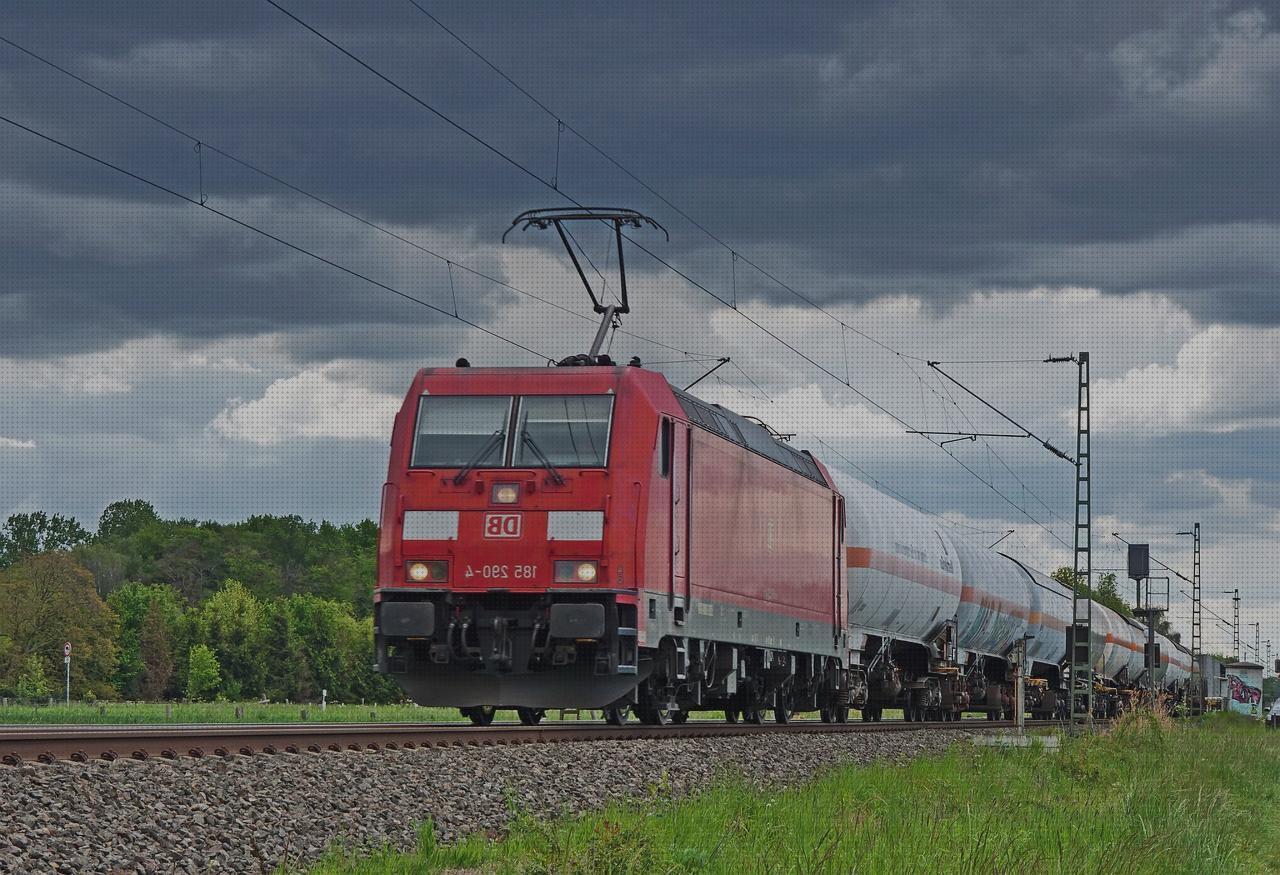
(502, 525)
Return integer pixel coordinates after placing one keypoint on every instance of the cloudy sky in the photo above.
(958, 183)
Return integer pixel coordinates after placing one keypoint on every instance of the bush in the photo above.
(33, 683)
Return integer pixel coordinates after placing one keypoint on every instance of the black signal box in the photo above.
(1139, 561)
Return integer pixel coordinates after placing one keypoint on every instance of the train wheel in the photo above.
(753, 714)
(654, 716)
(616, 715)
(825, 715)
(481, 715)
(531, 716)
(680, 718)
(841, 714)
(782, 715)
(730, 715)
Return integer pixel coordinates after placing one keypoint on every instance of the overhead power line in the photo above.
(1028, 433)
(735, 253)
(248, 226)
(448, 261)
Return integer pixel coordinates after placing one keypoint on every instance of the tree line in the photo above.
(1107, 592)
(271, 607)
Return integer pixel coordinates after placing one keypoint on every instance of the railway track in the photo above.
(82, 743)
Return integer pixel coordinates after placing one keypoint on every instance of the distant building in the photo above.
(1243, 693)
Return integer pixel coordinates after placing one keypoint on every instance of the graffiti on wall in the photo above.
(1244, 697)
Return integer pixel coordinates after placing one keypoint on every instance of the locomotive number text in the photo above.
(502, 572)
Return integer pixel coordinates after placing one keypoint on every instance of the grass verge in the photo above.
(274, 712)
(219, 712)
(1149, 796)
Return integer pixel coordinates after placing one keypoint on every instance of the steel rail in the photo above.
(84, 742)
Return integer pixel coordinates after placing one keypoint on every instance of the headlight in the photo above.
(506, 493)
(584, 571)
(427, 572)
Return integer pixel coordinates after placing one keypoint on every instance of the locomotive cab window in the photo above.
(455, 431)
(567, 431)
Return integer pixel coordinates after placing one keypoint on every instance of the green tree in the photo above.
(124, 518)
(155, 649)
(33, 683)
(232, 623)
(288, 673)
(108, 565)
(204, 675)
(132, 603)
(48, 599)
(1105, 593)
(27, 534)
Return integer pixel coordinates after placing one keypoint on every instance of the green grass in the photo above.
(253, 712)
(1150, 796)
(223, 712)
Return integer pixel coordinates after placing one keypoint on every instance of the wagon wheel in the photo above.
(753, 714)
(782, 715)
(481, 715)
(616, 715)
(531, 716)
(679, 717)
(730, 715)
(653, 716)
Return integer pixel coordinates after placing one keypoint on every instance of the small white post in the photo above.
(66, 664)
(1019, 692)
(324, 700)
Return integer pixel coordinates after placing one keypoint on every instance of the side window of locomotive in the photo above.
(665, 449)
(455, 431)
(569, 431)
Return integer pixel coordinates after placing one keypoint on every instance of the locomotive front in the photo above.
(506, 572)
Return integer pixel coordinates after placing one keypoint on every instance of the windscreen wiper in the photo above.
(489, 445)
(528, 440)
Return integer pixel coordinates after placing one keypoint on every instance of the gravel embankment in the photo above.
(253, 813)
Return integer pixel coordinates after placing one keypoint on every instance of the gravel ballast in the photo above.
(254, 813)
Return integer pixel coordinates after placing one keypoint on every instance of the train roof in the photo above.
(748, 433)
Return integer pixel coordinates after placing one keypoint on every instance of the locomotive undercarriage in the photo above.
(685, 675)
(488, 650)
(483, 651)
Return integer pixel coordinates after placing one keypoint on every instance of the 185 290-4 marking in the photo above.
(501, 571)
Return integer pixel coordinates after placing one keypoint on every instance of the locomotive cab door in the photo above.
(680, 500)
(839, 575)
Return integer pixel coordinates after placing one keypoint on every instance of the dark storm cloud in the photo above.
(915, 147)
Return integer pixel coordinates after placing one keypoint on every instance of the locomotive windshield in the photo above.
(569, 431)
(461, 431)
(557, 431)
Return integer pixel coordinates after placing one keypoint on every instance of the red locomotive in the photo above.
(592, 537)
